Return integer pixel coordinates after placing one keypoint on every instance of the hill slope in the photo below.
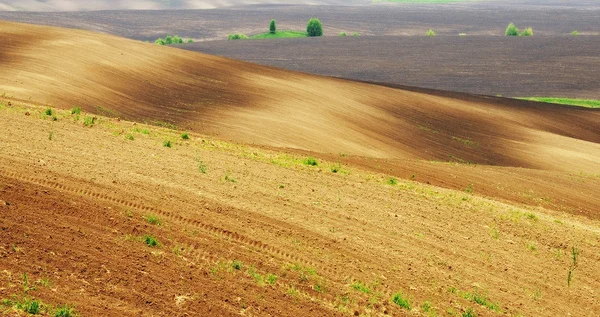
(253, 104)
(120, 218)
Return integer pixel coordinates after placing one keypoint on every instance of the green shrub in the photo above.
(76, 110)
(392, 181)
(130, 137)
(311, 161)
(151, 241)
(167, 143)
(512, 30)
(185, 136)
(48, 111)
(430, 32)
(172, 39)
(355, 34)
(272, 27)
(401, 301)
(527, 32)
(314, 27)
(575, 33)
(237, 37)
(342, 34)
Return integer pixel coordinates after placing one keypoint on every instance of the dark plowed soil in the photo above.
(491, 65)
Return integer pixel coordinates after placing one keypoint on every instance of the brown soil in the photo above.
(75, 199)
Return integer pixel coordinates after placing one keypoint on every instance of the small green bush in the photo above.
(48, 111)
(151, 241)
(185, 136)
(342, 34)
(76, 110)
(430, 32)
(130, 137)
(355, 34)
(237, 37)
(172, 39)
(272, 27)
(512, 30)
(311, 161)
(575, 33)
(527, 32)
(401, 301)
(167, 143)
(392, 181)
(314, 27)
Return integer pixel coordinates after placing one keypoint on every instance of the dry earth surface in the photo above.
(250, 229)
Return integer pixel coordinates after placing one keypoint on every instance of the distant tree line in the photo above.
(175, 39)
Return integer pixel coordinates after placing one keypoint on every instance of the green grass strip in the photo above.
(587, 103)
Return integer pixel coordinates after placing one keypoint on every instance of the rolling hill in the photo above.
(252, 104)
(197, 185)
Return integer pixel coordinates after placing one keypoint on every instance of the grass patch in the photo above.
(311, 161)
(229, 178)
(279, 35)
(202, 167)
(185, 136)
(167, 143)
(469, 313)
(465, 141)
(48, 112)
(430, 32)
(76, 110)
(129, 137)
(586, 103)
(271, 278)
(153, 220)
(89, 121)
(65, 311)
(401, 301)
(481, 300)
(361, 287)
(151, 241)
(392, 181)
(237, 265)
